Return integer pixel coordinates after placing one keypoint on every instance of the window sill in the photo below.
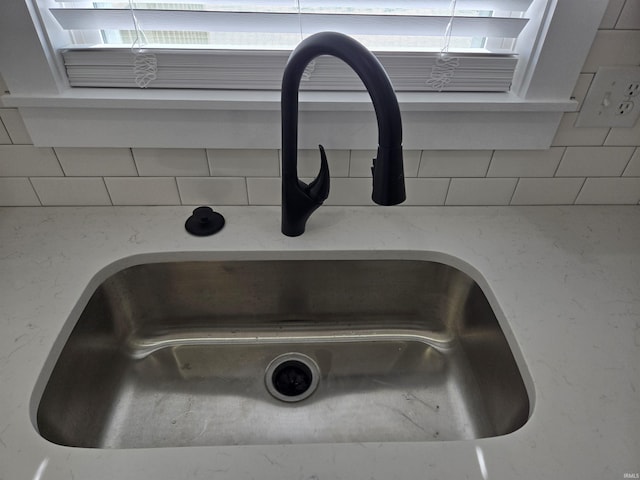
(270, 100)
(251, 119)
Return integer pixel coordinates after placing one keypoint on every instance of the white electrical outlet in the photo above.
(613, 99)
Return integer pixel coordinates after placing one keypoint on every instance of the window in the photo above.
(542, 42)
(437, 45)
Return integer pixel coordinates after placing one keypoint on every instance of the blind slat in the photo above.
(171, 20)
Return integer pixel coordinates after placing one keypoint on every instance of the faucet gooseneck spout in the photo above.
(300, 200)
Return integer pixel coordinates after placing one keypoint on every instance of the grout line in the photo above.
(514, 191)
(246, 181)
(107, 189)
(7, 131)
(175, 179)
(580, 190)
(420, 163)
(493, 152)
(206, 156)
(55, 154)
(626, 167)
(135, 165)
(606, 137)
(615, 24)
(35, 191)
(446, 195)
(555, 172)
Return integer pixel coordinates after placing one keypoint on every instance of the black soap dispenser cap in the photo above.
(204, 222)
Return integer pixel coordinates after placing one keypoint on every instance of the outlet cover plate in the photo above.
(608, 91)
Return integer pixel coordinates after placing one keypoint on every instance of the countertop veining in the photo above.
(566, 281)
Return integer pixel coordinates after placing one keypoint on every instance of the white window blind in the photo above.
(429, 45)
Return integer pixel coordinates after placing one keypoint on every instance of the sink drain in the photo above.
(292, 377)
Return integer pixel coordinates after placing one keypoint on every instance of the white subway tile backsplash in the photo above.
(264, 191)
(362, 160)
(244, 163)
(17, 192)
(96, 162)
(567, 134)
(57, 191)
(547, 191)
(633, 168)
(629, 18)
(170, 162)
(28, 161)
(600, 191)
(213, 191)
(454, 163)
(624, 136)
(411, 160)
(15, 126)
(594, 162)
(611, 14)
(613, 47)
(525, 163)
(426, 191)
(143, 191)
(481, 191)
(309, 162)
(4, 136)
(350, 191)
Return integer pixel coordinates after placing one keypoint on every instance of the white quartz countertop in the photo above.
(566, 280)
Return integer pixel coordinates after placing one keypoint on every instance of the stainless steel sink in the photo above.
(190, 353)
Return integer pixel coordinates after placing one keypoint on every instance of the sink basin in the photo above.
(287, 351)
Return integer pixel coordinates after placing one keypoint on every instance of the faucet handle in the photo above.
(318, 189)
